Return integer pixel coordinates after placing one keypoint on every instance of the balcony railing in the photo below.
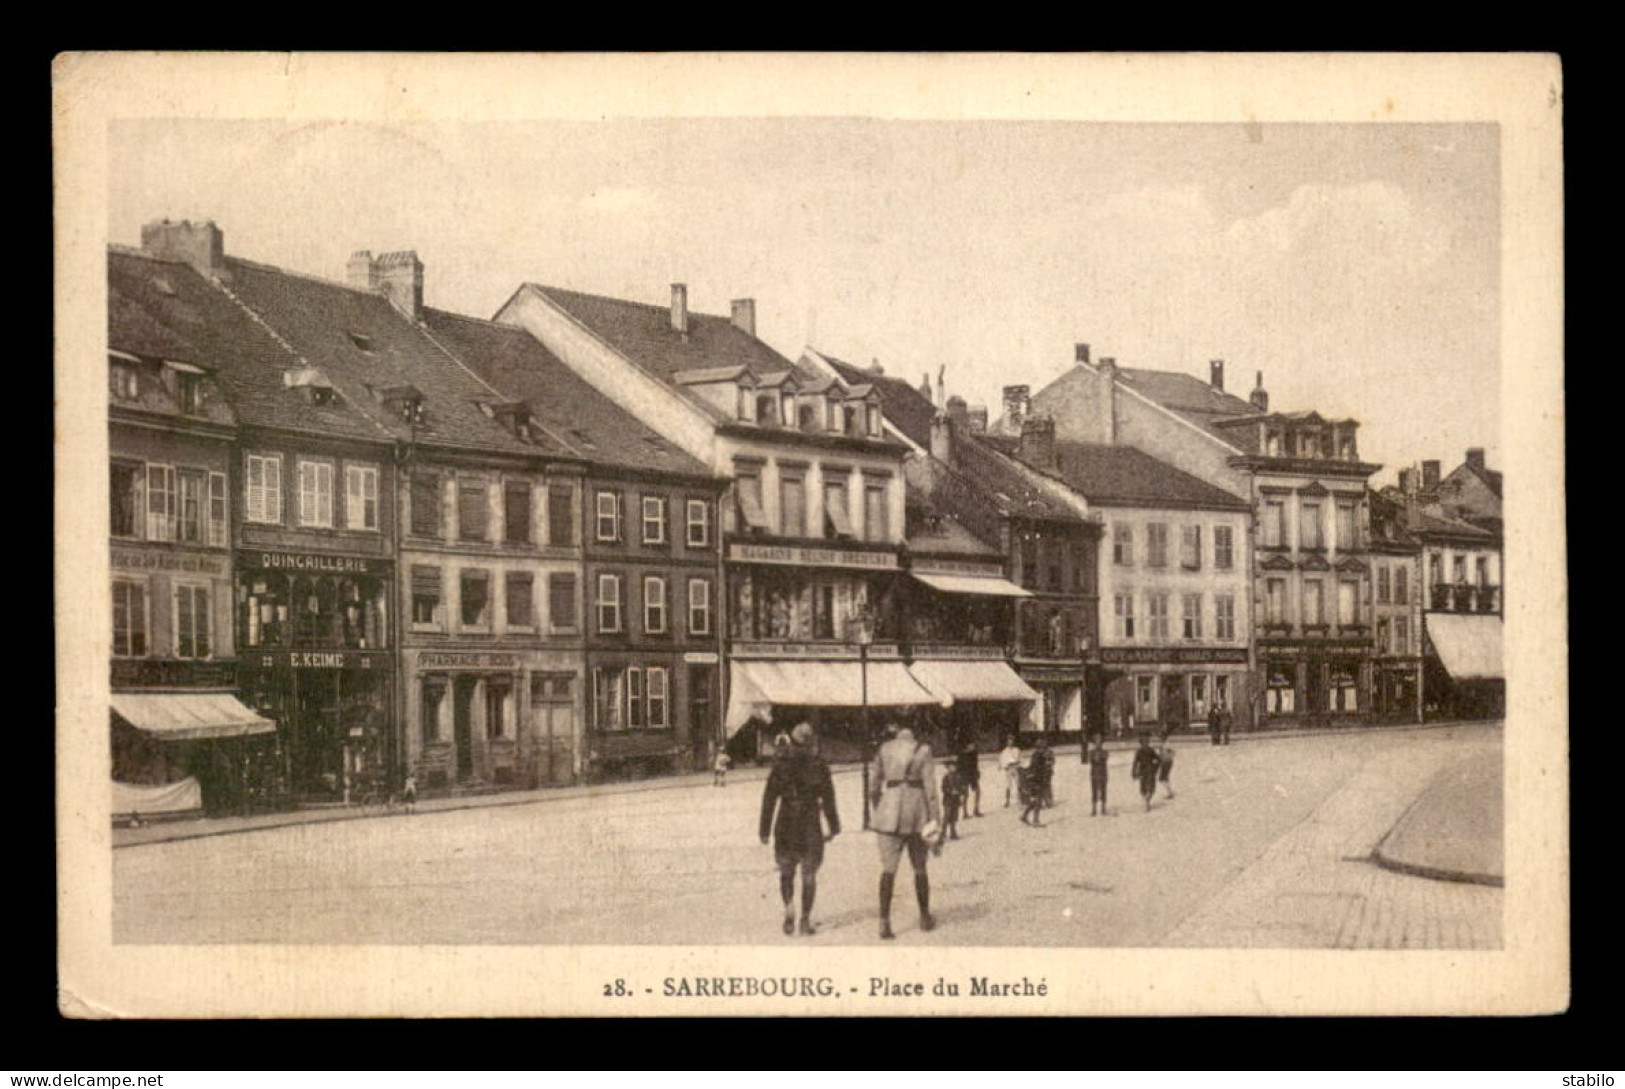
(1464, 597)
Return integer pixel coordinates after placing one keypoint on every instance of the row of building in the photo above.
(354, 536)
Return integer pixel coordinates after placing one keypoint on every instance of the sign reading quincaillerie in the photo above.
(312, 561)
(800, 556)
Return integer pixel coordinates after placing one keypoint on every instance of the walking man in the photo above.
(1097, 776)
(1165, 764)
(953, 797)
(1010, 764)
(1145, 768)
(1225, 718)
(904, 799)
(1044, 763)
(800, 788)
(1215, 722)
(970, 778)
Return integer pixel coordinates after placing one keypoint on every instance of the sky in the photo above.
(1355, 265)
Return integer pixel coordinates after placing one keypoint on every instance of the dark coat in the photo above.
(1097, 765)
(969, 765)
(1145, 763)
(799, 787)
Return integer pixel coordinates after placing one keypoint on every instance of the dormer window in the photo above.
(1272, 445)
(360, 340)
(767, 409)
(874, 421)
(405, 402)
(1346, 449)
(514, 416)
(851, 420)
(787, 408)
(322, 395)
(189, 392)
(807, 417)
(124, 379)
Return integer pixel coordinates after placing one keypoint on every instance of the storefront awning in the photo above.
(1468, 646)
(189, 716)
(756, 686)
(972, 584)
(972, 680)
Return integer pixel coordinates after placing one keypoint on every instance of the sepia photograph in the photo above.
(680, 542)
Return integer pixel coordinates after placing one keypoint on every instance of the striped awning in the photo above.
(189, 716)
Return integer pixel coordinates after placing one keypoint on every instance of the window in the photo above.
(1346, 526)
(1190, 548)
(1029, 560)
(699, 606)
(655, 679)
(654, 604)
(560, 515)
(699, 523)
(1123, 544)
(316, 493)
(162, 503)
(1483, 571)
(767, 409)
(1314, 602)
(1156, 545)
(792, 504)
(874, 510)
(607, 686)
(521, 607)
(129, 618)
(1402, 591)
(1145, 699)
(496, 707)
(1156, 608)
(1402, 635)
(123, 382)
(1344, 688)
(1280, 696)
(654, 520)
(1348, 601)
(1123, 607)
(190, 525)
(853, 419)
(1052, 551)
(1309, 528)
(1382, 584)
(874, 420)
(434, 692)
(425, 595)
(607, 519)
(748, 491)
(609, 603)
(426, 517)
(634, 697)
(1082, 582)
(837, 512)
(1221, 690)
(476, 597)
(219, 523)
(1458, 569)
(807, 417)
(516, 511)
(561, 601)
(1224, 547)
(189, 392)
(1384, 642)
(1274, 523)
(1198, 700)
(1275, 601)
(1272, 445)
(1224, 616)
(823, 598)
(473, 512)
(361, 496)
(126, 481)
(1191, 616)
(192, 626)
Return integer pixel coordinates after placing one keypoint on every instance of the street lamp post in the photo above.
(863, 633)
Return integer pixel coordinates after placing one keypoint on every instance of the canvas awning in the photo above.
(972, 680)
(972, 584)
(177, 797)
(1468, 646)
(189, 716)
(756, 686)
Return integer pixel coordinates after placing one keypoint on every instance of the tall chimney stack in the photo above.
(400, 276)
(679, 308)
(1430, 475)
(925, 387)
(1038, 442)
(1260, 397)
(1215, 371)
(942, 438)
(1018, 401)
(744, 315)
(1080, 353)
(1106, 400)
(1475, 458)
(362, 271)
(199, 244)
(976, 420)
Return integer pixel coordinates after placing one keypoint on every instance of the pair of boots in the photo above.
(922, 893)
(787, 892)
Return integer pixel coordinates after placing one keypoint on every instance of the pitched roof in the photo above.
(1116, 475)
(1431, 524)
(934, 529)
(560, 400)
(906, 408)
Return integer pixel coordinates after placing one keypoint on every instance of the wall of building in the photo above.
(817, 464)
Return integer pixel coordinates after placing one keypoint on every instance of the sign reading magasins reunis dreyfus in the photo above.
(312, 561)
(811, 557)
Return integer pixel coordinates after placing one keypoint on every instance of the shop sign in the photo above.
(1180, 655)
(467, 659)
(1050, 676)
(826, 651)
(140, 559)
(314, 562)
(799, 556)
(171, 673)
(701, 657)
(316, 659)
(958, 567)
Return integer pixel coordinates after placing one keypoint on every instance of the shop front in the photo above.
(497, 717)
(1465, 676)
(984, 701)
(1168, 689)
(1057, 712)
(180, 751)
(1396, 689)
(1316, 682)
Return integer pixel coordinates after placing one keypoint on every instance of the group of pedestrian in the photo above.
(1218, 724)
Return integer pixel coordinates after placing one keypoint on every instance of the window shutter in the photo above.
(273, 490)
(354, 498)
(255, 500)
(324, 478)
(307, 493)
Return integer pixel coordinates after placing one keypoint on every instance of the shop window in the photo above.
(516, 512)
(609, 603)
(1156, 545)
(654, 605)
(1156, 608)
(1310, 531)
(163, 502)
(560, 517)
(426, 499)
(1280, 697)
(654, 519)
(426, 596)
(655, 679)
(1224, 616)
(1221, 691)
(130, 618)
(699, 523)
(874, 511)
(316, 493)
(265, 612)
(1198, 698)
(1348, 602)
(219, 515)
(699, 606)
(361, 497)
(1274, 524)
(561, 601)
(126, 480)
(634, 698)
(520, 603)
(429, 703)
(191, 523)
(701, 685)
(823, 618)
(1314, 602)
(1123, 545)
(1145, 699)
(473, 512)
(475, 591)
(1224, 547)
(1345, 692)
(1123, 607)
(1191, 616)
(193, 628)
(792, 504)
(1190, 548)
(837, 511)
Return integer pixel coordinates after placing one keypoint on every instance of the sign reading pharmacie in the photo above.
(467, 659)
(313, 562)
(804, 556)
(1181, 655)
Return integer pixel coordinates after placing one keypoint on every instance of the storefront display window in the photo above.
(1280, 695)
(312, 611)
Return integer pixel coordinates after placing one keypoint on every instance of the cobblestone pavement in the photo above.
(1251, 852)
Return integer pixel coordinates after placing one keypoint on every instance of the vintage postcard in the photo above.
(650, 535)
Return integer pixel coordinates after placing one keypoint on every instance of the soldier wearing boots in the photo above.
(800, 789)
(904, 799)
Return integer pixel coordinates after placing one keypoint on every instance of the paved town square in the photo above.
(1266, 843)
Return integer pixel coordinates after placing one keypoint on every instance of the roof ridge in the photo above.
(631, 302)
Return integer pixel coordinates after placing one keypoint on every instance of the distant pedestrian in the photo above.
(1032, 794)
(799, 788)
(1165, 765)
(1097, 777)
(953, 797)
(1215, 722)
(970, 777)
(1226, 717)
(719, 770)
(1044, 759)
(906, 806)
(1010, 764)
(409, 792)
(1145, 768)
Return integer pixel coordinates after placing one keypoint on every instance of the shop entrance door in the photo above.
(701, 701)
(552, 715)
(1171, 707)
(462, 724)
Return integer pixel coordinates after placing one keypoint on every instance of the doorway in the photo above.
(462, 724)
(701, 701)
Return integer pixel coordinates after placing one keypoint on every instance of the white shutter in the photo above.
(273, 489)
(324, 494)
(369, 494)
(307, 493)
(354, 497)
(254, 501)
(218, 510)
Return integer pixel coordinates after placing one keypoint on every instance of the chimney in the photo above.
(1430, 476)
(679, 308)
(199, 244)
(1215, 374)
(1407, 481)
(1018, 401)
(1475, 458)
(399, 276)
(1038, 442)
(1260, 397)
(744, 315)
(925, 387)
(875, 367)
(942, 438)
(957, 412)
(1080, 353)
(362, 271)
(1106, 396)
(976, 420)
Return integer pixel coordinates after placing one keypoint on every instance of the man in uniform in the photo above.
(970, 776)
(799, 787)
(904, 799)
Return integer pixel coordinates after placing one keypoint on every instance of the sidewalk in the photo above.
(203, 827)
(1453, 830)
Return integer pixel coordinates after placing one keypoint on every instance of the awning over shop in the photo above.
(189, 716)
(972, 680)
(177, 797)
(1468, 646)
(972, 584)
(756, 686)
